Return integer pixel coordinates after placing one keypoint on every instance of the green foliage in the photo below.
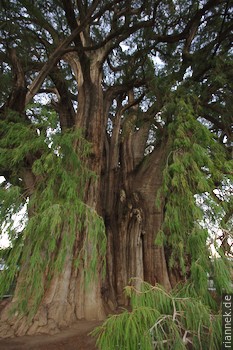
(58, 217)
(160, 320)
(57, 211)
(195, 164)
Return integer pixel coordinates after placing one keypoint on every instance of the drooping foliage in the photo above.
(56, 209)
(91, 93)
(188, 316)
(161, 320)
(195, 164)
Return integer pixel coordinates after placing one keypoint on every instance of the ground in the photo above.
(74, 338)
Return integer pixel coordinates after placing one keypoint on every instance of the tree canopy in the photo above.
(116, 134)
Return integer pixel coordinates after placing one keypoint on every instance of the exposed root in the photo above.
(16, 325)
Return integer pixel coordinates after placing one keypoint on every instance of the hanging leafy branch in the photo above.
(160, 320)
(57, 214)
(196, 163)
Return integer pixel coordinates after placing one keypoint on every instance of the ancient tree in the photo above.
(115, 117)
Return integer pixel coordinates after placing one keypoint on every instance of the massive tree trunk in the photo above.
(132, 219)
(123, 193)
(148, 64)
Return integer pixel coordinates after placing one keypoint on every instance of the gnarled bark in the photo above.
(133, 221)
(124, 194)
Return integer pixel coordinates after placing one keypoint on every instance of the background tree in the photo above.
(114, 115)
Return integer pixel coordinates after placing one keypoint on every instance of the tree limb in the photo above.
(56, 55)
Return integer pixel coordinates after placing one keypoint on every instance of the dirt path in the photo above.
(73, 338)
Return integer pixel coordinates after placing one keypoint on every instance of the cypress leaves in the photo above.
(57, 214)
(161, 320)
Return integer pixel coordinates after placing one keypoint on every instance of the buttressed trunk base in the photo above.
(123, 193)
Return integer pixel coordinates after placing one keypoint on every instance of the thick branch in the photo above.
(56, 55)
(16, 100)
(65, 107)
(116, 90)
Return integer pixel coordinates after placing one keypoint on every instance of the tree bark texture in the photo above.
(124, 194)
